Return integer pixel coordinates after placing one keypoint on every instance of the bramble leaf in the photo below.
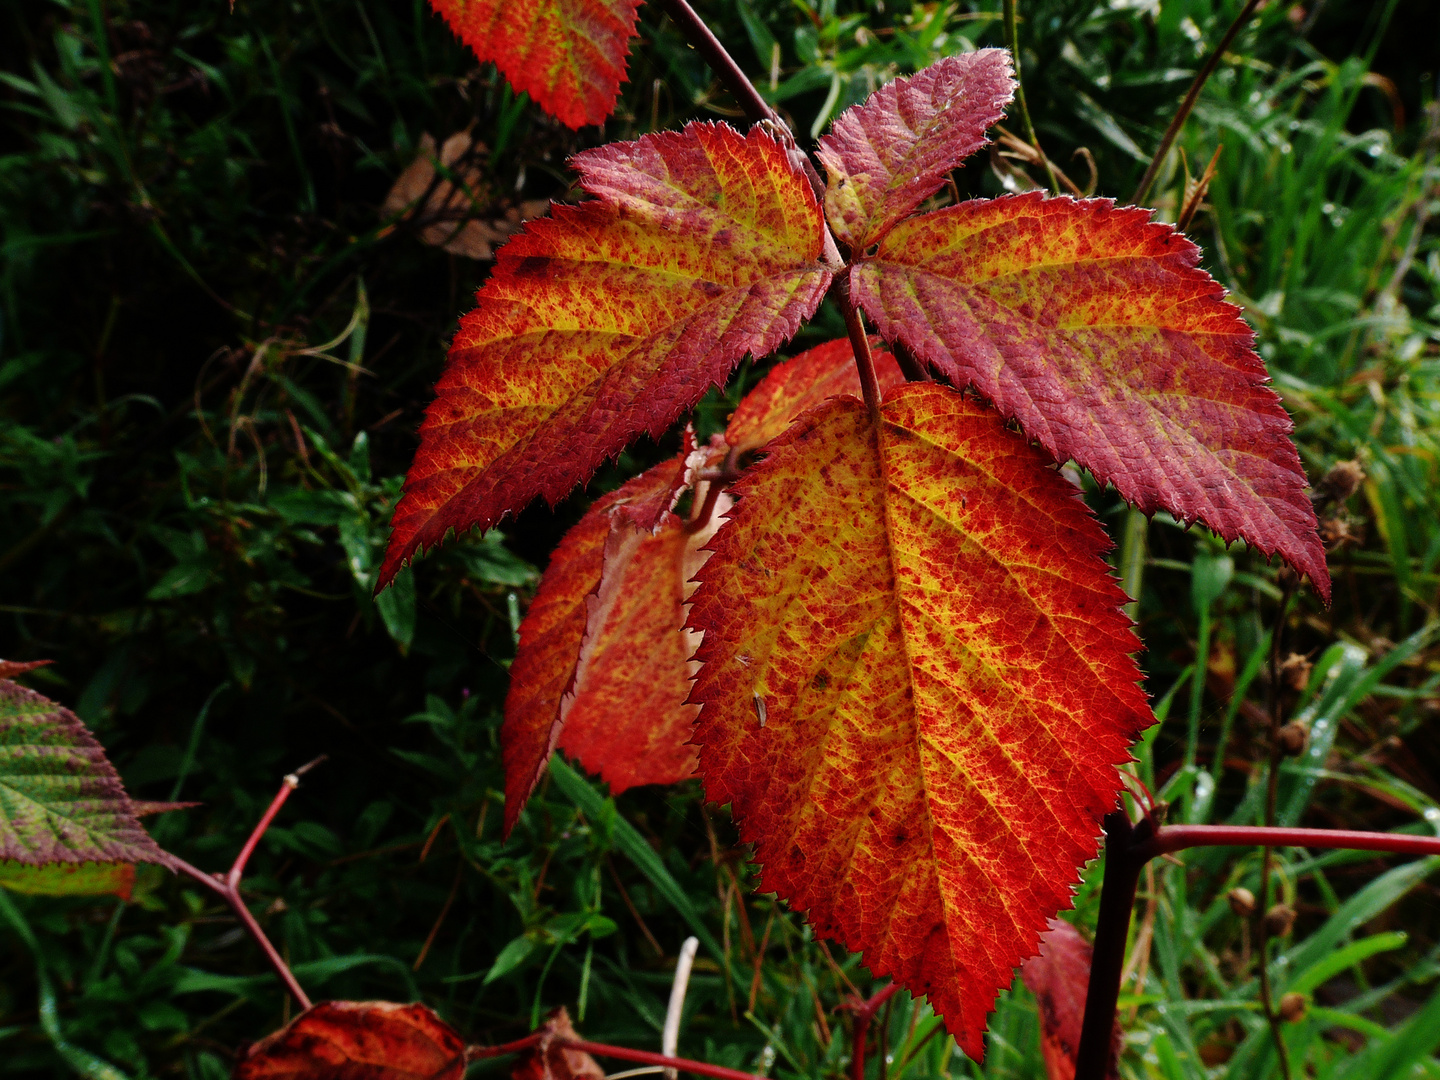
(916, 686)
(69, 879)
(358, 1040)
(61, 801)
(547, 1061)
(790, 388)
(1094, 328)
(1059, 977)
(553, 631)
(609, 319)
(569, 55)
(884, 157)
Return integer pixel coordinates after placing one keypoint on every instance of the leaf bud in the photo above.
(1242, 901)
(1343, 480)
(1279, 919)
(1292, 738)
(1295, 671)
(1292, 1007)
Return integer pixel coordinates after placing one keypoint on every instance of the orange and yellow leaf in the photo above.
(611, 318)
(916, 686)
(569, 55)
(885, 157)
(1094, 328)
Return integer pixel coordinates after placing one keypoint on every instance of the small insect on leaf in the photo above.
(346, 1040)
(569, 55)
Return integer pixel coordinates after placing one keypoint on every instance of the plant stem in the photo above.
(722, 63)
(1183, 113)
(1117, 898)
(228, 887)
(1172, 838)
(860, 345)
(864, 1013)
(645, 1057)
(1011, 40)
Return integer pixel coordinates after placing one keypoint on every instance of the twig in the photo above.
(1011, 39)
(228, 887)
(722, 63)
(864, 1013)
(670, 1036)
(1183, 113)
(1192, 203)
(645, 1057)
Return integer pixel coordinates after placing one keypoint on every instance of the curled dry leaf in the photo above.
(460, 215)
(1059, 977)
(358, 1040)
(547, 1061)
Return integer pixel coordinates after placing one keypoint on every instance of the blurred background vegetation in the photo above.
(216, 342)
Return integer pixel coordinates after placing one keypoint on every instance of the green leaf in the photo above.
(511, 957)
(60, 799)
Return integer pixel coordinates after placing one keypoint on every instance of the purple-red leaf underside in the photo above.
(1094, 328)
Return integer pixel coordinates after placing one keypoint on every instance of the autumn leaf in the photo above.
(789, 389)
(61, 801)
(549, 1061)
(569, 55)
(916, 686)
(457, 212)
(69, 879)
(1059, 977)
(1093, 328)
(358, 1040)
(884, 157)
(607, 320)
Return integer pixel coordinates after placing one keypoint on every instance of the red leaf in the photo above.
(1059, 977)
(885, 157)
(1094, 328)
(358, 1040)
(569, 55)
(546, 1061)
(789, 389)
(916, 685)
(609, 319)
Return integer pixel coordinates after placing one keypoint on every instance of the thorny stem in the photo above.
(864, 1013)
(1183, 113)
(722, 63)
(228, 887)
(1272, 787)
(1012, 40)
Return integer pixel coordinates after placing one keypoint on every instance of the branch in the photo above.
(1183, 113)
(228, 887)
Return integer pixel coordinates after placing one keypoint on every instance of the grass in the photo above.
(214, 350)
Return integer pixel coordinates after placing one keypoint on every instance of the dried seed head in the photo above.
(1242, 901)
(1279, 919)
(1292, 738)
(1292, 1007)
(1295, 671)
(1343, 480)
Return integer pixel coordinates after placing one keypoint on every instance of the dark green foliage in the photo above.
(214, 353)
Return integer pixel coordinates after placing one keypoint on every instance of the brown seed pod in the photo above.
(1293, 738)
(1242, 901)
(1292, 1007)
(1295, 671)
(1279, 919)
(1343, 480)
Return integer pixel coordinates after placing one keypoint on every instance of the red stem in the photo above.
(473, 1053)
(860, 345)
(645, 1057)
(864, 1013)
(1178, 837)
(237, 869)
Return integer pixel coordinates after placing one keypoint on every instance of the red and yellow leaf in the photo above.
(885, 157)
(548, 1061)
(569, 55)
(61, 800)
(1059, 977)
(611, 318)
(808, 380)
(916, 686)
(1095, 329)
(358, 1040)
